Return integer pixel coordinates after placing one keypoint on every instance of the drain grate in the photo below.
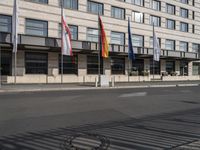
(84, 141)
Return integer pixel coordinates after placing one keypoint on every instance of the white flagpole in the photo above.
(61, 41)
(153, 49)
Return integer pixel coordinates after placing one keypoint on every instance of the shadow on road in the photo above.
(167, 131)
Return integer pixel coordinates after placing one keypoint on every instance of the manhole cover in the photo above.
(84, 141)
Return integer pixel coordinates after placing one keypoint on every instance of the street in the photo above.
(118, 119)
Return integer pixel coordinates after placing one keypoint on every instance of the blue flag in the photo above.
(131, 54)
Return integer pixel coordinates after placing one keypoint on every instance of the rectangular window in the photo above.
(156, 5)
(156, 67)
(70, 4)
(93, 65)
(70, 64)
(184, 1)
(138, 17)
(170, 67)
(117, 65)
(95, 8)
(138, 40)
(170, 24)
(170, 45)
(156, 20)
(183, 27)
(73, 30)
(36, 27)
(183, 46)
(117, 38)
(92, 35)
(136, 2)
(183, 12)
(5, 23)
(118, 13)
(36, 63)
(195, 48)
(170, 9)
(196, 68)
(39, 1)
(193, 28)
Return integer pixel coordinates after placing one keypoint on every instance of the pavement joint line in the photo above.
(95, 88)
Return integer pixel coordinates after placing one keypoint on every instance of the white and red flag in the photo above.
(66, 37)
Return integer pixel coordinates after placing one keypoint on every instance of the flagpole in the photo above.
(99, 54)
(61, 42)
(153, 50)
(0, 66)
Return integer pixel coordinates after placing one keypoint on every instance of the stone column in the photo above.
(107, 66)
(190, 68)
(82, 65)
(53, 64)
(177, 67)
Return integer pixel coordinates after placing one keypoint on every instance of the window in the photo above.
(70, 64)
(138, 17)
(36, 63)
(5, 23)
(184, 1)
(151, 42)
(156, 67)
(92, 35)
(170, 45)
(118, 13)
(183, 12)
(39, 1)
(94, 7)
(193, 15)
(138, 40)
(70, 4)
(183, 68)
(170, 24)
(138, 66)
(183, 27)
(155, 20)
(36, 27)
(170, 9)
(93, 65)
(117, 65)
(193, 28)
(73, 30)
(155, 5)
(136, 2)
(117, 38)
(183, 46)
(195, 48)
(196, 68)
(170, 67)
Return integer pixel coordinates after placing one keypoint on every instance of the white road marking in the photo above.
(138, 94)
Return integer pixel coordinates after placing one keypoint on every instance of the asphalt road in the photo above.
(121, 119)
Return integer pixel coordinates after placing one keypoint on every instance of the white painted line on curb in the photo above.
(182, 85)
(155, 86)
(138, 94)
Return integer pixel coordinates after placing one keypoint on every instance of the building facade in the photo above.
(39, 56)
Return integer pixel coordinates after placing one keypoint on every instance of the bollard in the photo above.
(113, 81)
(96, 82)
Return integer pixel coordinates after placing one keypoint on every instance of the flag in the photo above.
(104, 41)
(131, 54)
(156, 47)
(15, 24)
(66, 37)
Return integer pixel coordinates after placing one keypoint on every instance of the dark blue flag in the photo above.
(131, 54)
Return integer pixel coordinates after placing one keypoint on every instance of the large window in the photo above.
(138, 40)
(195, 48)
(93, 65)
(196, 68)
(156, 5)
(183, 12)
(170, 67)
(170, 45)
(184, 27)
(117, 12)
(39, 1)
(36, 27)
(183, 46)
(138, 66)
(136, 2)
(70, 64)
(184, 1)
(170, 9)
(73, 30)
(117, 65)
(36, 63)
(70, 4)
(94, 7)
(170, 24)
(5, 23)
(156, 67)
(92, 35)
(138, 17)
(117, 38)
(155, 20)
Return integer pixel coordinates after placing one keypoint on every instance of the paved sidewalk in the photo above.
(89, 86)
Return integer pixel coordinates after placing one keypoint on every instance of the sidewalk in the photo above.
(89, 86)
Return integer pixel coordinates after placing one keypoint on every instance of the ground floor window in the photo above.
(196, 68)
(138, 67)
(184, 68)
(6, 63)
(117, 65)
(70, 64)
(36, 63)
(170, 67)
(93, 65)
(156, 67)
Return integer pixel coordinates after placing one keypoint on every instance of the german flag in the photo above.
(104, 41)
